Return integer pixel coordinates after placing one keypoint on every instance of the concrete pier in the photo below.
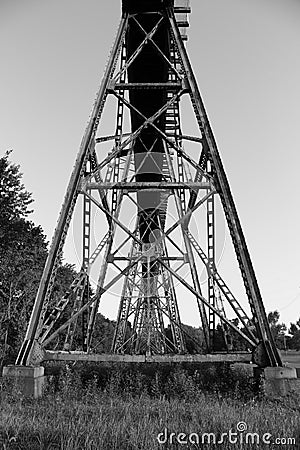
(278, 381)
(30, 380)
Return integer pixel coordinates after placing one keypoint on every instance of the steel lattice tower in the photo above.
(147, 181)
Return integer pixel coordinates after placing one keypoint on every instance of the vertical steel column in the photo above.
(211, 266)
(172, 306)
(82, 292)
(221, 309)
(125, 303)
(87, 205)
(78, 300)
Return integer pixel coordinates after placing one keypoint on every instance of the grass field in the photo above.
(131, 410)
(292, 357)
(102, 422)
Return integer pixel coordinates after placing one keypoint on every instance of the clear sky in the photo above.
(246, 57)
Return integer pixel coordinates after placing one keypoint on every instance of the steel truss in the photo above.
(149, 169)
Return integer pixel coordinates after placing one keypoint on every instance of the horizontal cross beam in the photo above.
(80, 356)
(127, 86)
(136, 185)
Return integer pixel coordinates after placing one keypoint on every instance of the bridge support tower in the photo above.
(151, 193)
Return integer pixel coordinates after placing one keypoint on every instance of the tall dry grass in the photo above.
(130, 409)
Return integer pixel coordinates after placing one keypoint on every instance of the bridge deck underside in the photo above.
(148, 67)
(135, 6)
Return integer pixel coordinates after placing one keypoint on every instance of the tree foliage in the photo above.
(294, 340)
(278, 330)
(14, 198)
(23, 251)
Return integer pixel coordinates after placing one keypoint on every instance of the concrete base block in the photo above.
(30, 380)
(279, 382)
(276, 388)
(280, 373)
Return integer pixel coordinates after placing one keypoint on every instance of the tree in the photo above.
(294, 341)
(20, 269)
(23, 251)
(14, 199)
(193, 338)
(104, 330)
(278, 330)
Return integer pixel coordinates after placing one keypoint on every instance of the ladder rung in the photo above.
(182, 9)
(183, 24)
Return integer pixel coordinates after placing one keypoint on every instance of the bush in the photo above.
(185, 381)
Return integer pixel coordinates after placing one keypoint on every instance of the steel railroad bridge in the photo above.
(144, 190)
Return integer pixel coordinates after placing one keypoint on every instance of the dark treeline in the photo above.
(23, 251)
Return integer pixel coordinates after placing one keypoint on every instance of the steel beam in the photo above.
(169, 359)
(137, 185)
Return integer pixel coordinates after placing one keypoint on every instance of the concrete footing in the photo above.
(29, 380)
(278, 381)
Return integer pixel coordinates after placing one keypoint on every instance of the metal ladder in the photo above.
(241, 314)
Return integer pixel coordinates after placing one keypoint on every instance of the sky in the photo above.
(245, 55)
